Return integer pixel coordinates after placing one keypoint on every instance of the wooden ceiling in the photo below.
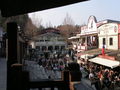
(17, 7)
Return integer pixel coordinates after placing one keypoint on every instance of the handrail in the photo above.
(61, 84)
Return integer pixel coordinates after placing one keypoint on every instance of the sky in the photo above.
(79, 12)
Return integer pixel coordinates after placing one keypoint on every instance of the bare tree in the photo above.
(68, 20)
(30, 28)
(49, 24)
(68, 28)
(37, 21)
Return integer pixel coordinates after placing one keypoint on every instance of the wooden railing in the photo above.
(21, 80)
(62, 84)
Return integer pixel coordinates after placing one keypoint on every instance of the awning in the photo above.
(105, 62)
(74, 37)
(82, 55)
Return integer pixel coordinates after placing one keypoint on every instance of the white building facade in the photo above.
(88, 38)
(96, 34)
(109, 36)
(88, 35)
(50, 42)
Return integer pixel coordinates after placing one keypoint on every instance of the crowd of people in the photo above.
(53, 63)
(48, 68)
(100, 76)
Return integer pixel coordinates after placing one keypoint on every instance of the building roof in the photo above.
(49, 34)
(16, 7)
(96, 52)
(52, 30)
(105, 62)
(106, 21)
(111, 21)
(100, 22)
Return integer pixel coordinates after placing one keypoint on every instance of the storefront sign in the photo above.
(109, 29)
(90, 28)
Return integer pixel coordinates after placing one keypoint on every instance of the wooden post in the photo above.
(12, 52)
(12, 42)
(16, 71)
(65, 77)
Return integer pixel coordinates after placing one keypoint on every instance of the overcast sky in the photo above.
(79, 12)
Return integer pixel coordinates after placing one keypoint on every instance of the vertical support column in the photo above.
(40, 49)
(12, 42)
(86, 43)
(53, 48)
(12, 52)
(18, 51)
(0, 48)
(47, 48)
(118, 41)
(66, 79)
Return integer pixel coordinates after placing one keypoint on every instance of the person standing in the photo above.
(103, 50)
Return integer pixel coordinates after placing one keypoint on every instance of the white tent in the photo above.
(105, 62)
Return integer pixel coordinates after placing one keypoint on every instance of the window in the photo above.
(37, 40)
(110, 41)
(47, 40)
(56, 47)
(44, 48)
(41, 40)
(50, 48)
(62, 47)
(83, 41)
(104, 41)
(92, 24)
(60, 39)
(38, 47)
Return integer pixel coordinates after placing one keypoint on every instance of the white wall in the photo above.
(115, 43)
(107, 46)
(54, 40)
(109, 30)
